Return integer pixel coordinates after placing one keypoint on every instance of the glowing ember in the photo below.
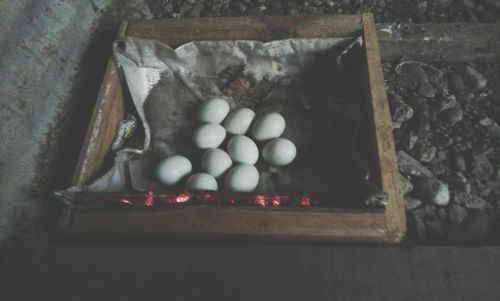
(305, 201)
(149, 200)
(126, 202)
(276, 201)
(183, 198)
(260, 200)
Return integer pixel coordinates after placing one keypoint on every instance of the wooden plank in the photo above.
(108, 112)
(175, 32)
(275, 224)
(383, 137)
(440, 42)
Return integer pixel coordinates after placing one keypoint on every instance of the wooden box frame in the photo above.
(380, 225)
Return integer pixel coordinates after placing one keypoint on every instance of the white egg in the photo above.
(172, 169)
(238, 121)
(213, 110)
(243, 150)
(201, 181)
(209, 135)
(216, 162)
(242, 177)
(268, 126)
(279, 152)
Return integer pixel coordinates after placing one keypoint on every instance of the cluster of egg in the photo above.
(242, 152)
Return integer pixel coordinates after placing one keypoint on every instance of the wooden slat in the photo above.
(275, 224)
(382, 127)
(107, 114)
(440, 42)
(175, 32)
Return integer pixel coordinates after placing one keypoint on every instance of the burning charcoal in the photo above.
(481, 167)
(474, 78)
(406, 186)
(456, 214)
(452, 116)
(433, 191)
(411, 167)
(457, 84)
(411, 203)
(471, 201)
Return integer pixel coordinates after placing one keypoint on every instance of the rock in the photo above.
(420, 212)
(433, 191)
(475, 227)
(434, 227)
(459, 163)
(412, 140)
(458, 181)
(471, 201)
(486, 121)
(406, 186)
(456, 84)
(473, 78)
(448, 103)
(411, 203)
(416, 227)
(451, 116)
(400, 111)
(426, 89)
(441, 213)
(456, 214)
(410, 167)
(238, 6)
(424, 152)
(481, 167)
(430, 210)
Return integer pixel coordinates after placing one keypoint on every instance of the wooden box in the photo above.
(327, 224)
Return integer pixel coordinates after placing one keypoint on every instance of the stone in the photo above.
(448, 103)
(430, 210)
(473, 78)
(481, 167)
(471, 201)
(416, 227)
(410, 167)
(457, 180)
(459, 163)
(400, 111)
(432, 190)
(411, 203)
(426, 89)
(406, 186)
(486, 121)
(451, 116)
(456, 84)
(441, 213)
(475, 227)
(420, 212)
(434, 227)
(424, 152)
(456, 214)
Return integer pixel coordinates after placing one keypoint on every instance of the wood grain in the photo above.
(440, 42)
(108, 112)
(382, 132)
(175, 32)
